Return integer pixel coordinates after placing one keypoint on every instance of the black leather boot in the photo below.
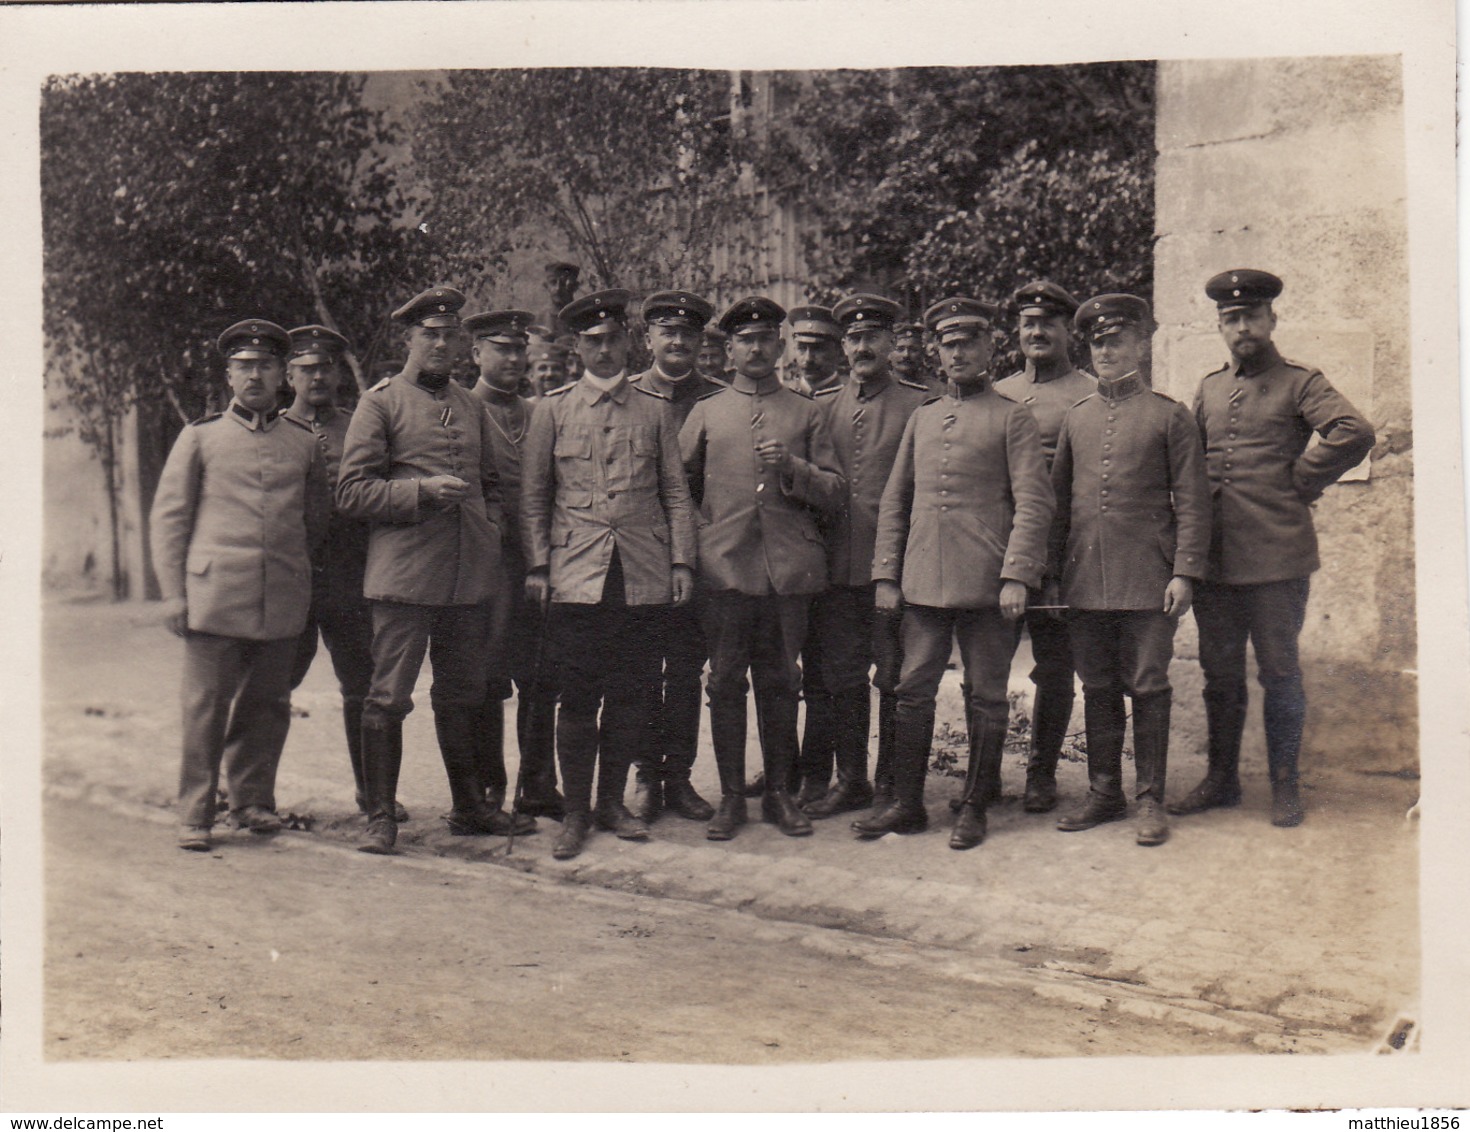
(987, 747)
(1283, 745)
(488, 738)
(1106, 720)
(681, 798)
(906, 813)
(852, 712)
(648, 793)
(1225, 719)
(536, 735)
(727, 732)
(1150, 763)
(1050, 715)
(887, 749)
(818, 739)
(573, 836)
(472, 815)
(382, 757)
(778, 752)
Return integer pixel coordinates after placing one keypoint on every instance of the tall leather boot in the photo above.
(778, 752)
(887, 749)
(727, 732)
(982, 780)
(1106, 721)
(382, 757)
(1225, 720)
(536, 735)
(852, 790)
(1150, 762)
(1051, 712)
(905, 814)
(471, 816)
(818, 742)
(972, 728)
(352, 725)
(1284, 716)
(488, 736)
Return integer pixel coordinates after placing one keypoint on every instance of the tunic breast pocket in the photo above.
(573, 452)
(643, 466)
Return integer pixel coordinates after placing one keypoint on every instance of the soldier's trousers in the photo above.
(606, 657)
(674, 726)
(453, 637)
(1122, 650)
(1270, 615)
(987, 643)
(852, 637)
(346, 628)
(763, 635)
(242, 688)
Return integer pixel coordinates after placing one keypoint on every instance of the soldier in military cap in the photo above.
(419, 466)
(768, 472)
(499, 339)
(908, 358)
(865, 418)
(241, 507)
(709, 363)
(817, 343)
(962, 535)
(1257, 414)
(1048, 385)
(675, 322)
(339, 612)
(1130, 538)
(608, 532)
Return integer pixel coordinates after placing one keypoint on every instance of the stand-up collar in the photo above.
(595, 388)
(1120, 388)
(1260, 364)
(765, 386)
(959, 392)
(249, 418)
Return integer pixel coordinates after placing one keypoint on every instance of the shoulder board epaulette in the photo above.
(1089, 397)
(936, 397)
(712, 393)
(830, 391)
(1221, 369)
(207, 419)
(559, 390)
(382, 385)
(650, 392)
(289, 419)
(909, 384)
(1165, 396)
(1301, 365)
(1004, 396)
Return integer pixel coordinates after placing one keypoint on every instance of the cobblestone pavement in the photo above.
(1298, 940)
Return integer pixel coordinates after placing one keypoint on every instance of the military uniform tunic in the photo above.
(758, 531)
(1133, 505)
(1256, 424)
(1047, 400)
(241, 504)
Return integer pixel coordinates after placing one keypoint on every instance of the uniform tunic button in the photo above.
(1105, 475)
(1227, 465)
(1227, 479)
(760, 487)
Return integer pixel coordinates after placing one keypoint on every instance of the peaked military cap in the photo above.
(511, 327)
(599, 309)
(1243, 287)
(313, 344)
(715, 335)
(866, 310)
(810, 322)
(959, 312)
(438, 306)
(1044, 297)
(908, 330)
(1102, 315)
(756, 310)
(676, 308)
(254, 338)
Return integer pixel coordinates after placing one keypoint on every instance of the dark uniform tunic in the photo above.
(967, 507)
(430, 570)
(241, 505)
(674, 728)
(1133, 512)
(1256, 421)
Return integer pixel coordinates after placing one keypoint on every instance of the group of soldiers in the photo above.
(598, 545)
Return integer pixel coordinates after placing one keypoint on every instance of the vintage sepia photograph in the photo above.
(724, 566)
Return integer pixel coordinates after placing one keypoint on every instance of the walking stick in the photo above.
(536, 665)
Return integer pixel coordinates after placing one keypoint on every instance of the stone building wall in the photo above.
(1297, 166)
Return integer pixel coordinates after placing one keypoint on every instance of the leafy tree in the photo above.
(636, 170)
(174, 204)
(929, 181)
